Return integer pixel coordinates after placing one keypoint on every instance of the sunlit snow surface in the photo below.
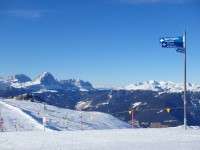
(32, 136)
(118, 139)
(14, 119)
(19, 113)
(162, 86)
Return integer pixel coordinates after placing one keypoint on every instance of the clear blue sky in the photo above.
(106, 42)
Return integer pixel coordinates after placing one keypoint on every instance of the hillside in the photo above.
(149, 100)
(28, 116)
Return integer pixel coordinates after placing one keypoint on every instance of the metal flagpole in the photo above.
(185, 118)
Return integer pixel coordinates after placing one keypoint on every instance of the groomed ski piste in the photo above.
(23, 130)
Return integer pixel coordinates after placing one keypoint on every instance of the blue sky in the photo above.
(106, 42)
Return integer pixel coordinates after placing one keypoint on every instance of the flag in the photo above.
(168, 110)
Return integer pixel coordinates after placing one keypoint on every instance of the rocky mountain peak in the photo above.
(46, 79)
(21, 78)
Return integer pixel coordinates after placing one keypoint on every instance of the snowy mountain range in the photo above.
(162, 87)
(77, 94)
(46, 81)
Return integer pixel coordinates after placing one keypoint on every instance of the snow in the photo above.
(46, 81)
(160, 111)
(83, 105)
(57, 118)
(118, 139)
(162, 86)
(25, 114)
(43, 90)
(14, 119)
(136, 104)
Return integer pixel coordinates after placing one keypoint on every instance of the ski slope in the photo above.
(117, 139)
(14, 119)
(29, 116)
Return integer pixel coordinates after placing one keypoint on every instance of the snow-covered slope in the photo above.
(57, 118)
(162, 86)
(15, 119)
(118, 139)
(75, 84)
(13, 80)
(19, 78)
(45, 81)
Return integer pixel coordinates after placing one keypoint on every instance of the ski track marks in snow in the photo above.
(60, 119)
(116, 139)
(15, 119)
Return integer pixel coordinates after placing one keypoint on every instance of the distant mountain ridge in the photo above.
(77, 94)
(162, 86)
(45, 81)
(19, 78)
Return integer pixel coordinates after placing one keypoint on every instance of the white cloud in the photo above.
(28, 14)
(150, 1)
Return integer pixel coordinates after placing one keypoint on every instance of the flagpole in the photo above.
(185, 117)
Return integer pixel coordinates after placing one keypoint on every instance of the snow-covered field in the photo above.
(23, 130)
(117, 139)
